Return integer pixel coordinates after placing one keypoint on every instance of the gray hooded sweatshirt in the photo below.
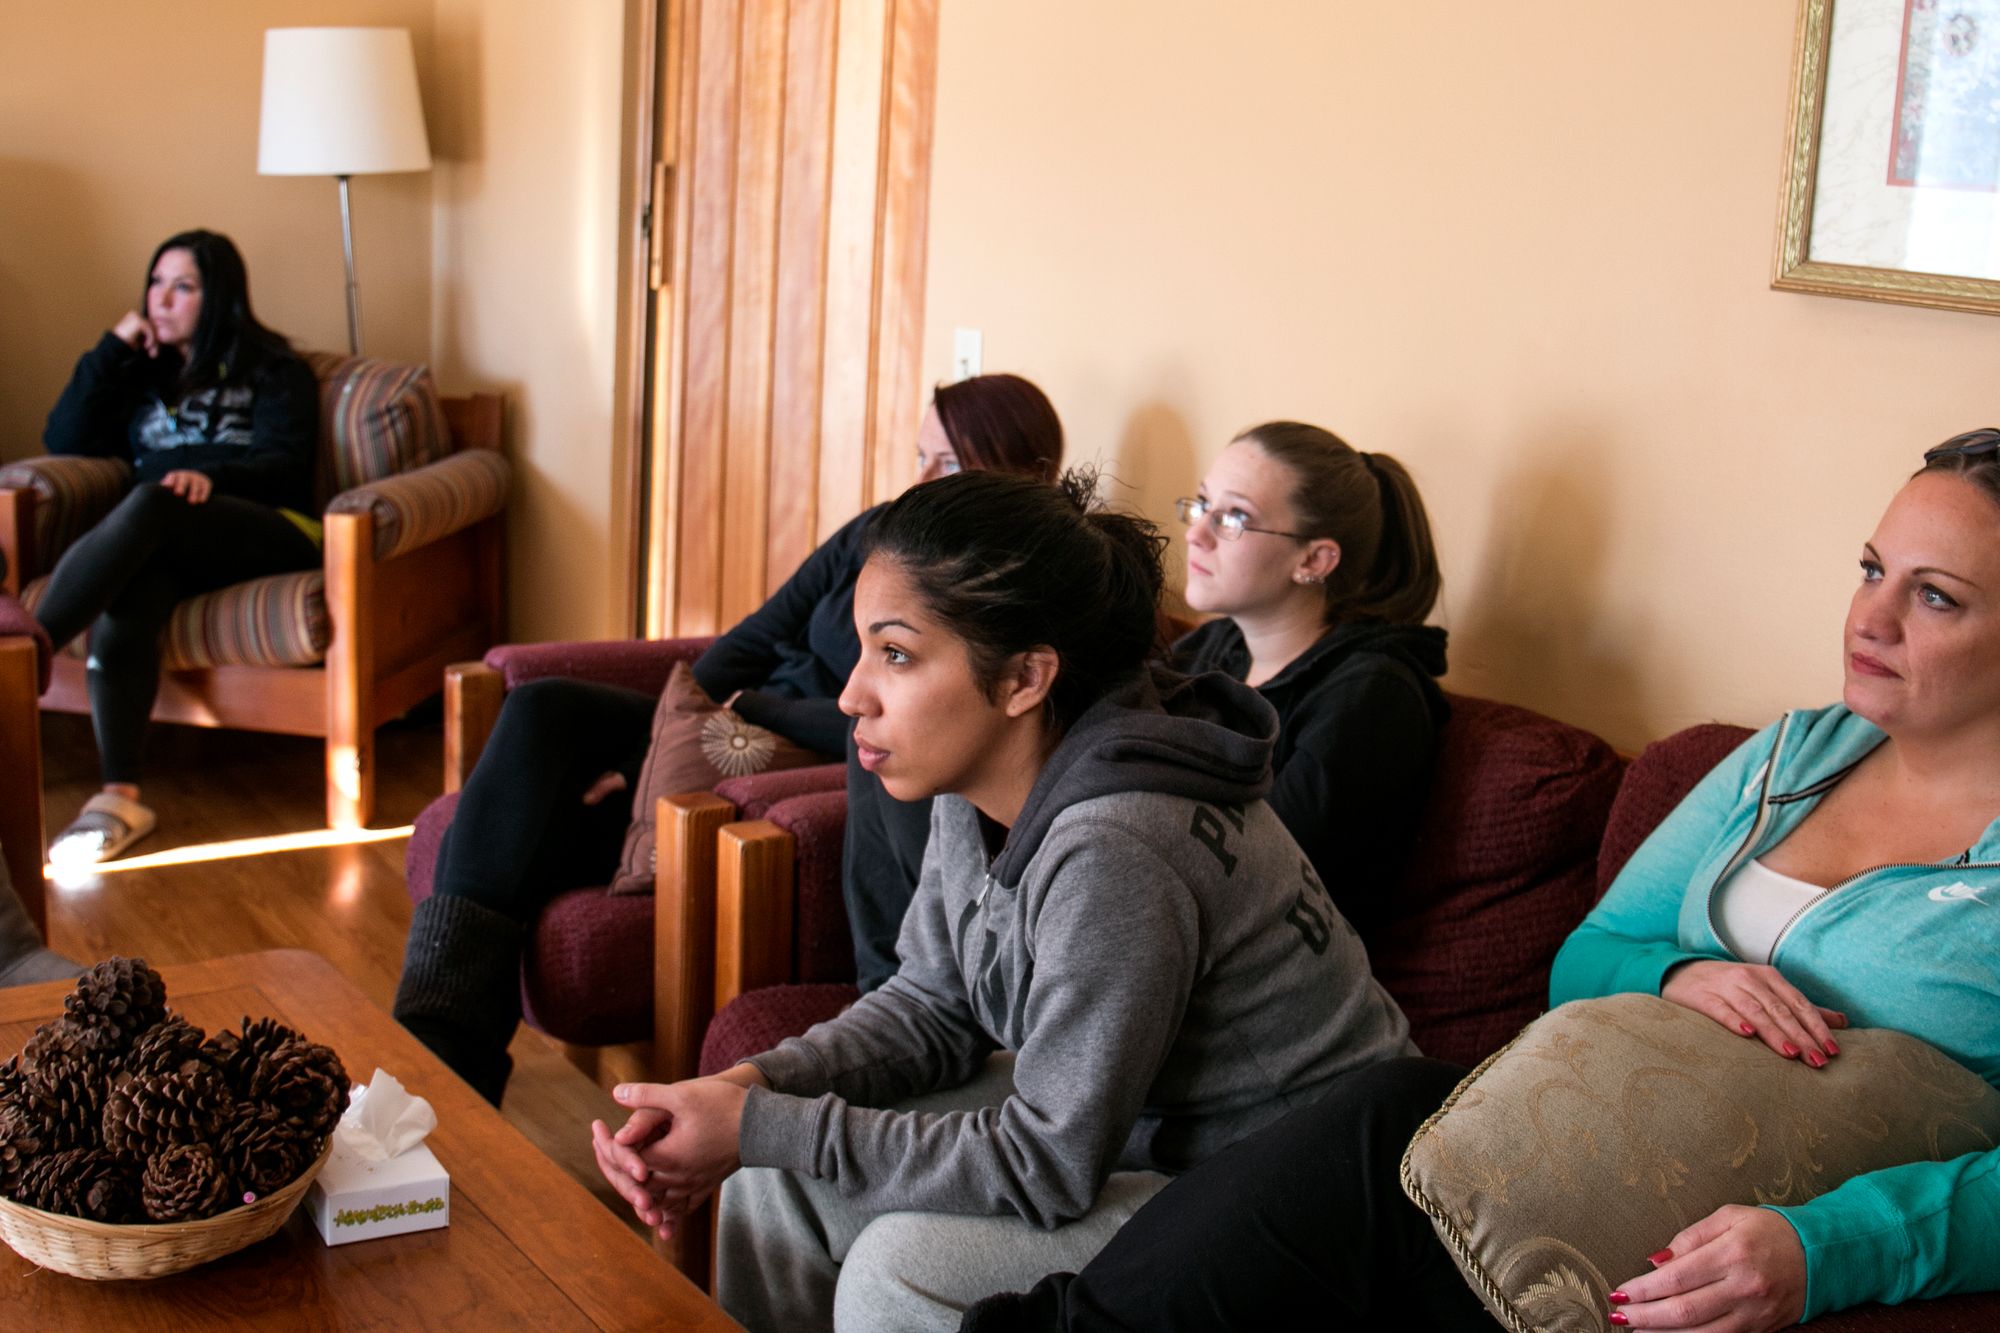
(1149, 941)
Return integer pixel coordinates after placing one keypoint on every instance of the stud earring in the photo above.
(1302, 577)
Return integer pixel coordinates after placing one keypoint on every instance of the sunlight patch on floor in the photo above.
(83, 876)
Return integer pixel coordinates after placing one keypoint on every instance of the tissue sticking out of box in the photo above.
(383, 1120)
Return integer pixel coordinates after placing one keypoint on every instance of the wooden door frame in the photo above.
(879, 61)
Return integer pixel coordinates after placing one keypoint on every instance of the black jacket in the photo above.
(791, 657)
(1358, 720)
(254, 437)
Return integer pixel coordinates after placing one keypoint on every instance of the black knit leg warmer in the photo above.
(460, 993)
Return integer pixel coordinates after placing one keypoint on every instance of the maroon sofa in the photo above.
(1529, 821)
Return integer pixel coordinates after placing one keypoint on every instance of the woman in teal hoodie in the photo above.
(1838, 869)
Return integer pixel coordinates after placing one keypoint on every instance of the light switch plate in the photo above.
(965, 353)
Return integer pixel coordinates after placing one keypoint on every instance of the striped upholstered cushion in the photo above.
(278, 621)
(71, 494)
(377, 418)
(418, 507)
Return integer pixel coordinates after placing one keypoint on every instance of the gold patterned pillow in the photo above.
(696, 744)
(1609, 1125)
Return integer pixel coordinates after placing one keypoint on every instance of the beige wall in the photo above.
(526, 272)
(1524, 247)
(124, 121)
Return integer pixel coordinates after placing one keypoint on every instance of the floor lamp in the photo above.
(341, 102)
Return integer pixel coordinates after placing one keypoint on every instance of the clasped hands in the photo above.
(678, 1145)
(1738, 1270)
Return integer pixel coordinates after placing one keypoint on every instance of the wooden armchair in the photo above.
(24, 662)
(413, 489)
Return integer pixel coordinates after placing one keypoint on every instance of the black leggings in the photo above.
(1302, 1225)
(122, 579)
(521, 832)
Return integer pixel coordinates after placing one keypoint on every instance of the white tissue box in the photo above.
(357, 1200)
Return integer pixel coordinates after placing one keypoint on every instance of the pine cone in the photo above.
(61, 1037)
(183, 1183)
(144, 1113)
(166, 1047)
(114, 1002)
(263, 1151)
(22, 1137)
(304, 1082)
(67, 1090)
(82, 1182)
(238, 1055)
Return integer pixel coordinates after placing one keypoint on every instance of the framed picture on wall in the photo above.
(1892, 176)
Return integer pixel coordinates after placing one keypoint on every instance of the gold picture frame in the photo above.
(1795, 268)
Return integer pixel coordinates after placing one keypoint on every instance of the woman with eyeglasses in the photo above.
(1838, 869)
(547, 805)
(1317, 560)
(219, 419)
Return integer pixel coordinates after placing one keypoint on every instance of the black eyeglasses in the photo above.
(1972, 443)
(1229, 523)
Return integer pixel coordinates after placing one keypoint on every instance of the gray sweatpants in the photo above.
(793, 1256)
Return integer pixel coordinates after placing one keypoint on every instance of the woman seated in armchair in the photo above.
(1831, 871)
(547, 805)
(1316, 559)
(219, 419)
(1105, 895)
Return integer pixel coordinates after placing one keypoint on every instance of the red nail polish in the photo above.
(1746, 1029)
(1618, 1298)
(1832, 1046)
(1790, 1051)
(1815, 1059)
(1659, 1257)
(1620, 1318)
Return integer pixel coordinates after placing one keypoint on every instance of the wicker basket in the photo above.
(100, 1250)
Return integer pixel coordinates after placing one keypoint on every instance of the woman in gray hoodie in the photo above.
(1117, 962)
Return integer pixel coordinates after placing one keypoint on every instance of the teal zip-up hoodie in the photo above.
(1910, 947)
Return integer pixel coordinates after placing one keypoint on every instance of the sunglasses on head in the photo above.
(1985, 440)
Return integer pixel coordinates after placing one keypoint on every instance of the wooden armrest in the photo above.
(473, 693)
(17, 531)
(684, 928)
(754, 907)
(21, 832)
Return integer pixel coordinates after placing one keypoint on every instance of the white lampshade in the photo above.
(340, 102)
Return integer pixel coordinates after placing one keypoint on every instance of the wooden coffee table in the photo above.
(527, 1246)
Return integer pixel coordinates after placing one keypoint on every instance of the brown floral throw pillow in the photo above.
(1608, 1125)
(696, 744)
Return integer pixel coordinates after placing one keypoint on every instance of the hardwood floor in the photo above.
(222, 874)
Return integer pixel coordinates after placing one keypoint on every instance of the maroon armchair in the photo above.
(603, 969)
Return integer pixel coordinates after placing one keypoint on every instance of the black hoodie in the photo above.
(253, 437)
(1358, 719)
(1148, 940)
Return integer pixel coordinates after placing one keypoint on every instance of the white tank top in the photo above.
(1753, 907)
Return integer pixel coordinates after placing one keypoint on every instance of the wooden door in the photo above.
(787, 316)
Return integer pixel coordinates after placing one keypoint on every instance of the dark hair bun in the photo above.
(1012, 564)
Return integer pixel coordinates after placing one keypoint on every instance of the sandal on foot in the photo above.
(106, 827)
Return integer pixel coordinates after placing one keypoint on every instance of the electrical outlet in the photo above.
(965, 353)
